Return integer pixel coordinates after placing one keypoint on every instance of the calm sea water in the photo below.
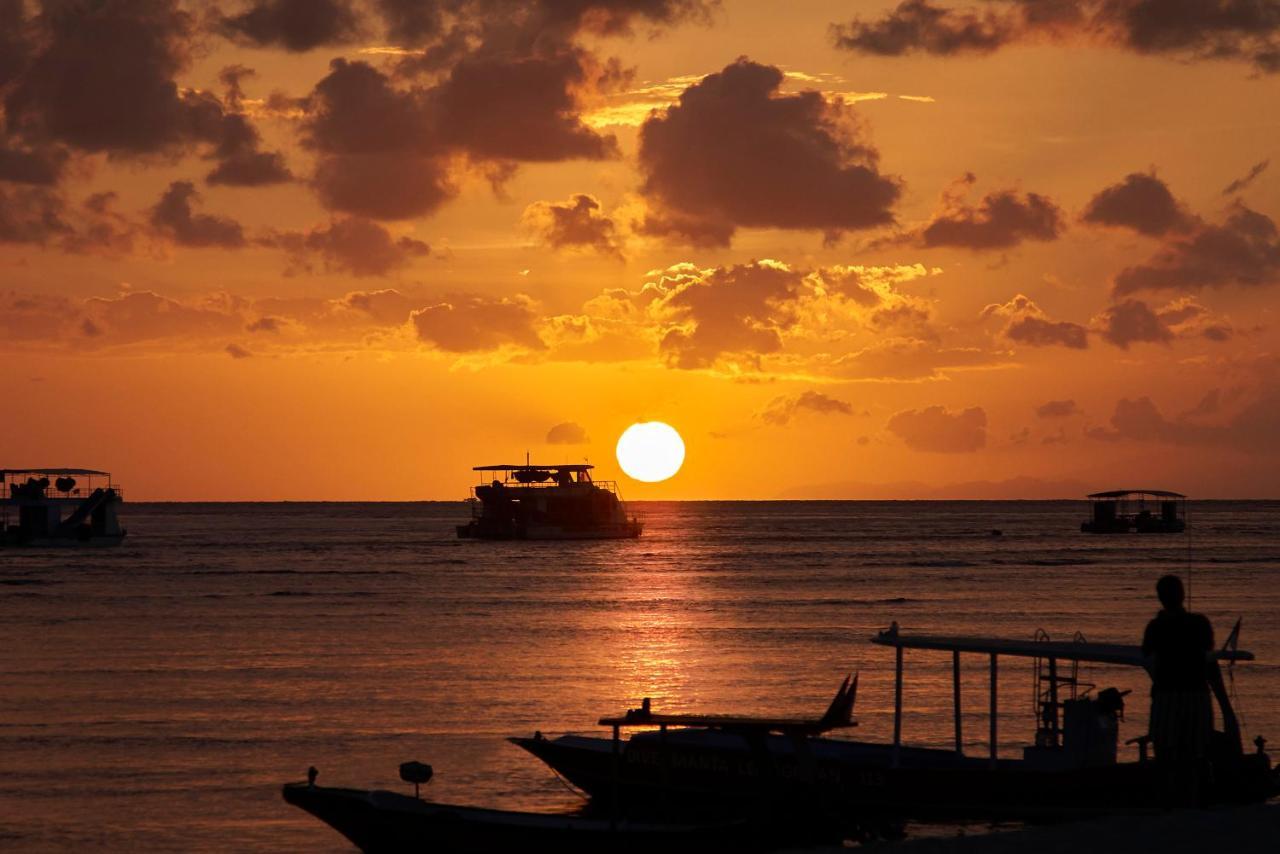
(155, 696)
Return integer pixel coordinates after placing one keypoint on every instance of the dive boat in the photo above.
(384, 822)
(1070, 769)
(560, 502)
(1120, 511)
(59, 507)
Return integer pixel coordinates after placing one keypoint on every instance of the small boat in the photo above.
(59, 507)
(1120, 511)
(382, 821)
(558, 502)
(1070, 769)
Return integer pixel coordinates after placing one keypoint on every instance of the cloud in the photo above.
(173, 217)
(907, 360)
(568, 433)
(31, 165)
(471, 323)
(235, 351)
(30, 215)
(782, 410)
(575, 223)
(1001, 220)
(1242, 30)
(1133, 321)
(941, 431)
(1244, 181)
(1057, 409)
(1028, 324)
(1141, 202)
(353, 245)
(735, 152)
(1244, 250)
(294, 25)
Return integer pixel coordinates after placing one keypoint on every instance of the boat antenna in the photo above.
(526, 457)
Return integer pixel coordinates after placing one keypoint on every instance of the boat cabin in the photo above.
(59, 506)
(1146, 511)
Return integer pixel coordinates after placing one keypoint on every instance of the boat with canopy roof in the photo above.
(555, 502)
(59, 507)
(1144, 511)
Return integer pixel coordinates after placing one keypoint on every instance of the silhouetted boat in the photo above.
(59, 507)
(1123, 510)
(382, 821)
(560, 502)
(1070, 769)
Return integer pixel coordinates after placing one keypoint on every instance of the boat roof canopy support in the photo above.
(1097, 653)
(523, 467)
(1125, 493)
(55, 471)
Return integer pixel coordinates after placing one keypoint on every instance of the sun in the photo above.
(650, 451)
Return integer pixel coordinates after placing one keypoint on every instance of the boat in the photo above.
(59, 507)
(557, 502)
(1071, 768)
(383, 821)
(1145, 511)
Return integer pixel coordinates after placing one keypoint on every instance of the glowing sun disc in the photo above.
(650, 451)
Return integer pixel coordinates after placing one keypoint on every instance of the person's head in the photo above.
(1169, 589)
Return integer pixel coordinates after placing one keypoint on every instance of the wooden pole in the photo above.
(955, 699)
(897, 706)
(994, 710)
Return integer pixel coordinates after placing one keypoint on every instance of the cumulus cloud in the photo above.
(939, 430)
(1244, 30)
(568, 433)
(575, 223)
(1142, 202)
(782, 410)
(1028, 324)
(353, 245)
(1133, 321)
(1243, 250)
(470, 323)
(295, 25)
(1001, 220)
(735, 152)
(174, 217)
(1058, 409)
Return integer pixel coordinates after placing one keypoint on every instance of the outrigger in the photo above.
(59, 507)
(1070, 769)
(556, 502)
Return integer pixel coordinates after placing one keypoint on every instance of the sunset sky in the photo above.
(347, 249)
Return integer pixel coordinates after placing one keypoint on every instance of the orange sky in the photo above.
(849, 249)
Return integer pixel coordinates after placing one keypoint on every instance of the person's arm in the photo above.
(1148, 646)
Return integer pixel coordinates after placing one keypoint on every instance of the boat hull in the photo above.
(866, 779)
(477, 531)
(381, 822)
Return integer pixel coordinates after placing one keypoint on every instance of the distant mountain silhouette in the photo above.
(1014, 488)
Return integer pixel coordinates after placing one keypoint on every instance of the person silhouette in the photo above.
(1176, 645)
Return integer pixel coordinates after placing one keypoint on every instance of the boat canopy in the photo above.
(1125, 493)
(58, 472)
(1099, 653)
(526, 467)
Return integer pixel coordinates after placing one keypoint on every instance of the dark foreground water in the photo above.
(155, 696)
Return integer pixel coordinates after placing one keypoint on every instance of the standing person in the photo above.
(1177, 644)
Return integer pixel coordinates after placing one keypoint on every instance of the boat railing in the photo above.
(78, 493)
(606, 485)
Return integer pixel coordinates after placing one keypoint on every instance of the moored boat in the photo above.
(59, 507)
(1142, 511)
(557, 502)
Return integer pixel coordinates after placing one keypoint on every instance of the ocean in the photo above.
(156, 695)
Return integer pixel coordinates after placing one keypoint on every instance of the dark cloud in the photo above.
(1245, 30)
(265, 324)
(1057, 409)
(174, 218)
(1244, 250)
(735, 152)
(469, 323)
(1218, 332)
(1133, 321)
(295, 25)
(1028, 324)
(739, 310)
(568, 433)
(144, 316)
(1001, 220)
(235, 351)
(354, 245)
(31, 214)
(575, 223)
(1245, 180)
(1141, 202)
(939, 430)
(782, 410)
(40, 166)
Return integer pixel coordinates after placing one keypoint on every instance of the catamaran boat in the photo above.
(1071, 768)
(59, 507)
(560, 502)
(1145, 511)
